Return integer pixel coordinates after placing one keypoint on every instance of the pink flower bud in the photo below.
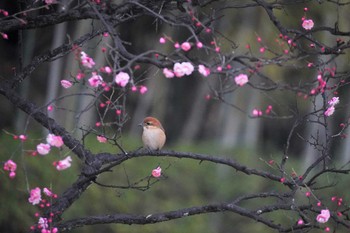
(185, 46)
(157, 172)
(162, 40)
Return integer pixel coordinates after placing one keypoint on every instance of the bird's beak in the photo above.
(141, 124)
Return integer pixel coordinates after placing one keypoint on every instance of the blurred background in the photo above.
(193, 119)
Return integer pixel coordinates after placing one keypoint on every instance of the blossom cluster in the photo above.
(185, 69)
(45, 148)
(331, 106)
(11, 167)
(35, 198)
(96, 80)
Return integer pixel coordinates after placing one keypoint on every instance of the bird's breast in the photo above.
(154, 139)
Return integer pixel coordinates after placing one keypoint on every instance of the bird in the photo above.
(153, 135)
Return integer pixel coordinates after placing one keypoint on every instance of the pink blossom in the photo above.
(256, 112)
(86, 60)
(122, 79)
(49, 108)
(43, 149)
(168, 73)
(4, 36)
(64, 163)
(11, 167)
(157, 172)
(199, 44)
(162, 40)
(107, 69)
(48, 2)
(23, 137)
(334, 101)
(43, 223)
(143, 89)
(177, 45)
(203, 70)
(324, 216)
(47, 192)
(184, 68)
(300, 222)
(95, 80)
(185, 46)
(80, 75)
(54, 140)
(241, 79)
(329, 111)
(102, 139)
(308, 24)
(35, 196)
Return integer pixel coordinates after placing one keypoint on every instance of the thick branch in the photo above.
(166, 216)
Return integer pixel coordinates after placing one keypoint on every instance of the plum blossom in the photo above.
(86, 60)
(203, 70)
(54, 140)
(308, 24)
(11, 167)
(64, 163)
(168, 73)
(35, 196)
(143, 90)
(334, 101)
(106, 69)
(331, 103)
(186, 46)
(102, 139)
(48, 2)
(47, 192)
(4, 35)
(43, 224)
(157, 172)
(23, 137)
(329, 111)
(184, 68)
(323, 217)
(66, 84)
(80, 76)
(122, 79)
(241, 79)
(162, 40)
(43, 148)
(256, 112)
(95, 80)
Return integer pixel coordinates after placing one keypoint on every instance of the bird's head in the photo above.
(151, 123)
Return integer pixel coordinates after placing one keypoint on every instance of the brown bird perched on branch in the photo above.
(153, 135)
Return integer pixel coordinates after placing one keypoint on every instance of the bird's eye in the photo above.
(148, 123)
